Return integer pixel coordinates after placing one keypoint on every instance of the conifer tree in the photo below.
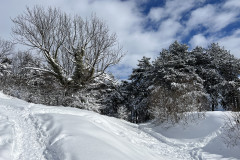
(140, 83)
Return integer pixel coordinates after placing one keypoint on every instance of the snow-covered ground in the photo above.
(37, 132)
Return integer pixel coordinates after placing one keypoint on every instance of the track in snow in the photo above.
(28, 138)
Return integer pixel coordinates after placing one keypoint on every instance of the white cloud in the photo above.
(213, 17)
(231, 43)
(232, 4)
(169, 28)
(199, 40)
(224, 19)
(201, 16)
(173, 9)
(156, 14)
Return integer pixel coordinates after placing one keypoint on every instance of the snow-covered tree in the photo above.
(6, 48)
(76, 50)
(123, 112)
(217, 67)
(115, 98)
(230, 95)
(178, 88)
(132, 95)
(139, 90)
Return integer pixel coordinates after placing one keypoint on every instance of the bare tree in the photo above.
(5, 48)
(76, 50)
(231, 129)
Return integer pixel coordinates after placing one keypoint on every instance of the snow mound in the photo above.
(38, 132)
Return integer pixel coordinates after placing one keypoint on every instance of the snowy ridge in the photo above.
(37, 132)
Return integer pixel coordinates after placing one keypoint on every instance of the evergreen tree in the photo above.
(217, 67)
(141, 80)
(178, 89)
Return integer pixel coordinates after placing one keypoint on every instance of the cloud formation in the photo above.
(142, 29)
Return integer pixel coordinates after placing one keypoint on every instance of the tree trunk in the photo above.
(79, 75)
(213, 107)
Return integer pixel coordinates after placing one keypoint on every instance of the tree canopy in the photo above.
(76, 50)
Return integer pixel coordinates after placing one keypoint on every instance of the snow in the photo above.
(38, 132)
(202, 139)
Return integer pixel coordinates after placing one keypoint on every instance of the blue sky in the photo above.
(145, 27)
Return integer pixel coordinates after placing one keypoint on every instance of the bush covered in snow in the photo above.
(232, 129)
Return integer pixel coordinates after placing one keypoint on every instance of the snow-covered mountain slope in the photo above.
(37, 132)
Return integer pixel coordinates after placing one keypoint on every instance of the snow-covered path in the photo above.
(38, 132)
(26, 136)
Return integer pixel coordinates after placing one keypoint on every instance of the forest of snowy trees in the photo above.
(180, 81)
(68, 59)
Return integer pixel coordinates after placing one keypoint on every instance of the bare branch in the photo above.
(5, 48)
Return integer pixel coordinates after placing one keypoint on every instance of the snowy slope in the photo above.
(202, 139)
(37, 132)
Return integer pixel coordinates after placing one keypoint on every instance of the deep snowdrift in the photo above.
(31, 131)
